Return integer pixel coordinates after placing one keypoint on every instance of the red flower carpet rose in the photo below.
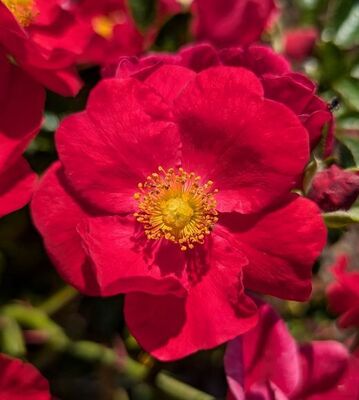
(95, 31)
(22, 102)
(266, 363)
(176, 191)
(21, 381)
(279, 82)
(54, 68)
(343, 295)
(69, 32)
(335, 189)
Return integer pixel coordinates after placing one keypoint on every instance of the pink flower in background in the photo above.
(266, 363)
(335, 189)
(280, 83)
(21, 381)
(343, 295)
(299, 43)
(22, 102)
(232, 22)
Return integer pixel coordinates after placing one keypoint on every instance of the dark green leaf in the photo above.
(349, 91)
(352, 143)
(174, 33)
(143, 12)
(347, 35)
(338, 12)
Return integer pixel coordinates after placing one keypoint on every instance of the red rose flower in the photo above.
(95, 31)
(85, 31)
(299, 43)
(54, 68)
(21, 381)
(279, 82)
(334, 189)
(176, 191)
(232, 22)
(343, 295)
(266, 363)
(22, 102)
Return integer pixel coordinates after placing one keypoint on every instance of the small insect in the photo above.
(334, 104)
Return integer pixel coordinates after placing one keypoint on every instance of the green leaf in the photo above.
(332, 64)
(348, 122)
(11, 338)
(352, 143)
(338, 11)
(174, 33)
(309, 173)
(143, 12)
(340, 219)
(347, 35)
(348, 89)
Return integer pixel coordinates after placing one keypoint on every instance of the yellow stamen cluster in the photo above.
(23, 10)
(104, 25)
(172, 204)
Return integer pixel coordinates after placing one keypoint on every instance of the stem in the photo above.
(174, 389)
(178, 390)
(58, 300)
(11, 337)
(33, 318)
(93, 352)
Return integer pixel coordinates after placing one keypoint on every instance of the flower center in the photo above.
(23, 10)
(104, 25)
(174, 205)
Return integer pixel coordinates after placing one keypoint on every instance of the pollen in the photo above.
(23, 10)
(174, 205)
(104, 25)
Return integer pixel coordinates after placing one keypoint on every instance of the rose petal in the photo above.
(123, 264)
(273, 243)
(215, 310)
(236, 145)
(56, 214)
(16, 186)
(265, 354)
(19, 381)
(124, 136)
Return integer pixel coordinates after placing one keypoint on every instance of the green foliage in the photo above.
(143, 12)
(352, 143)
(174, 33)
(341, 219)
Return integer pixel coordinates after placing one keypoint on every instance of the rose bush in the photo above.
(177, 191)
